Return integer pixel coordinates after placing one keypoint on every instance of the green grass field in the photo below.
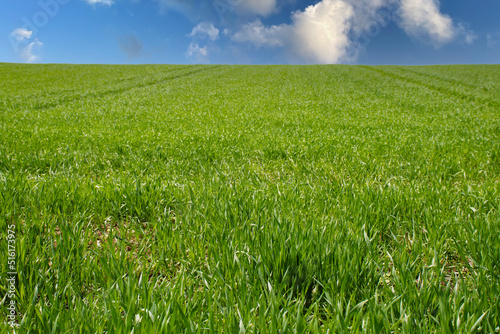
(233, 199)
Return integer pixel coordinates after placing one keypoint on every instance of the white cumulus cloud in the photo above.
(319, 34)
(422, 19)
(332, 31)
(21, 34)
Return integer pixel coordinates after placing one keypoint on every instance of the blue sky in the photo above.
(406, 32)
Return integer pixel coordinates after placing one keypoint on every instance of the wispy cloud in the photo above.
(100, 2)
(131, 46)
(204, 33)
(27, 52)
(194, 50)
(493, 39)
(194, 10)
(23, 47)
(205, 29)
(210, 10)
(255, 7)
(260, 35)
(468, 35)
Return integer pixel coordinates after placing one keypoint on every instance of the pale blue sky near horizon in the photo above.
(402, 32)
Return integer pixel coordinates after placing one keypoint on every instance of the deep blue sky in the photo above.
(250, 31)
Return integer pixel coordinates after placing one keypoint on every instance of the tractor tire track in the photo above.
(438, 78)
(452, 93)
(69, 99)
